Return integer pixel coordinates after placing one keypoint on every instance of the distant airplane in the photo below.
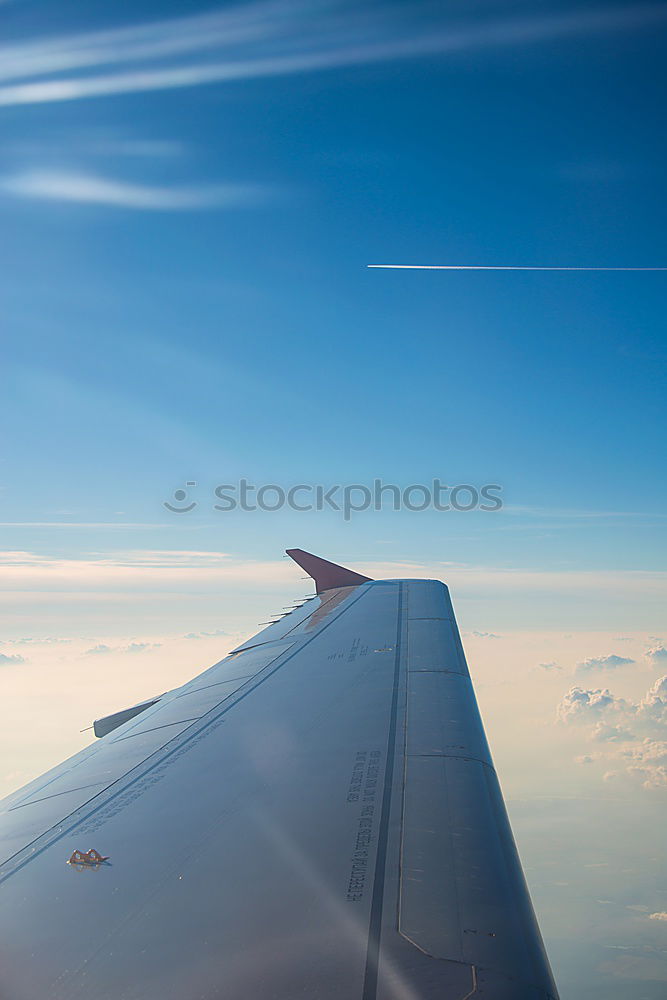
(505, 267)
(316, 816)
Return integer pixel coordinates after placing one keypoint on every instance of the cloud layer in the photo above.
(133, 647)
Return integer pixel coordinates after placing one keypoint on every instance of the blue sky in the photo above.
(190, 198)
(185, 284)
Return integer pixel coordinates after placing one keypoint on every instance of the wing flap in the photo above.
(107, 724)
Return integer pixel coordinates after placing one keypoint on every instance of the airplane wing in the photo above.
(317, 816)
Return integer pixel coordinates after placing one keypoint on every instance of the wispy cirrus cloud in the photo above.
(276, 38)
(570, 514)
(93, 525)
(135, 569)
(93, 189)
(92, 145)
(132, 566)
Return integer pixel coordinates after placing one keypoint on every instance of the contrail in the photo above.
(507, 267)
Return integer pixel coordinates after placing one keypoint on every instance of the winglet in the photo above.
(326, 575)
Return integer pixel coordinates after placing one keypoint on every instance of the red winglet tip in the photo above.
(327, 575)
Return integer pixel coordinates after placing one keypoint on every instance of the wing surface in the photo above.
(317, 815)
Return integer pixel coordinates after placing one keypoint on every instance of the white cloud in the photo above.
(132, 647)
(92, 189)
(588, 705)
(633, 731)
(263, 39)
(550, 665)
(609, 662)
(653, 708)
(656, 654)
(205, 635)
(648, 763)
(11, 658)
(581, 705)
(658, 916)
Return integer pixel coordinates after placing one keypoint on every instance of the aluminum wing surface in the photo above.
(315, 816)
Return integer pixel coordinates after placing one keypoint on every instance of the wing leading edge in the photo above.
(315, 815)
